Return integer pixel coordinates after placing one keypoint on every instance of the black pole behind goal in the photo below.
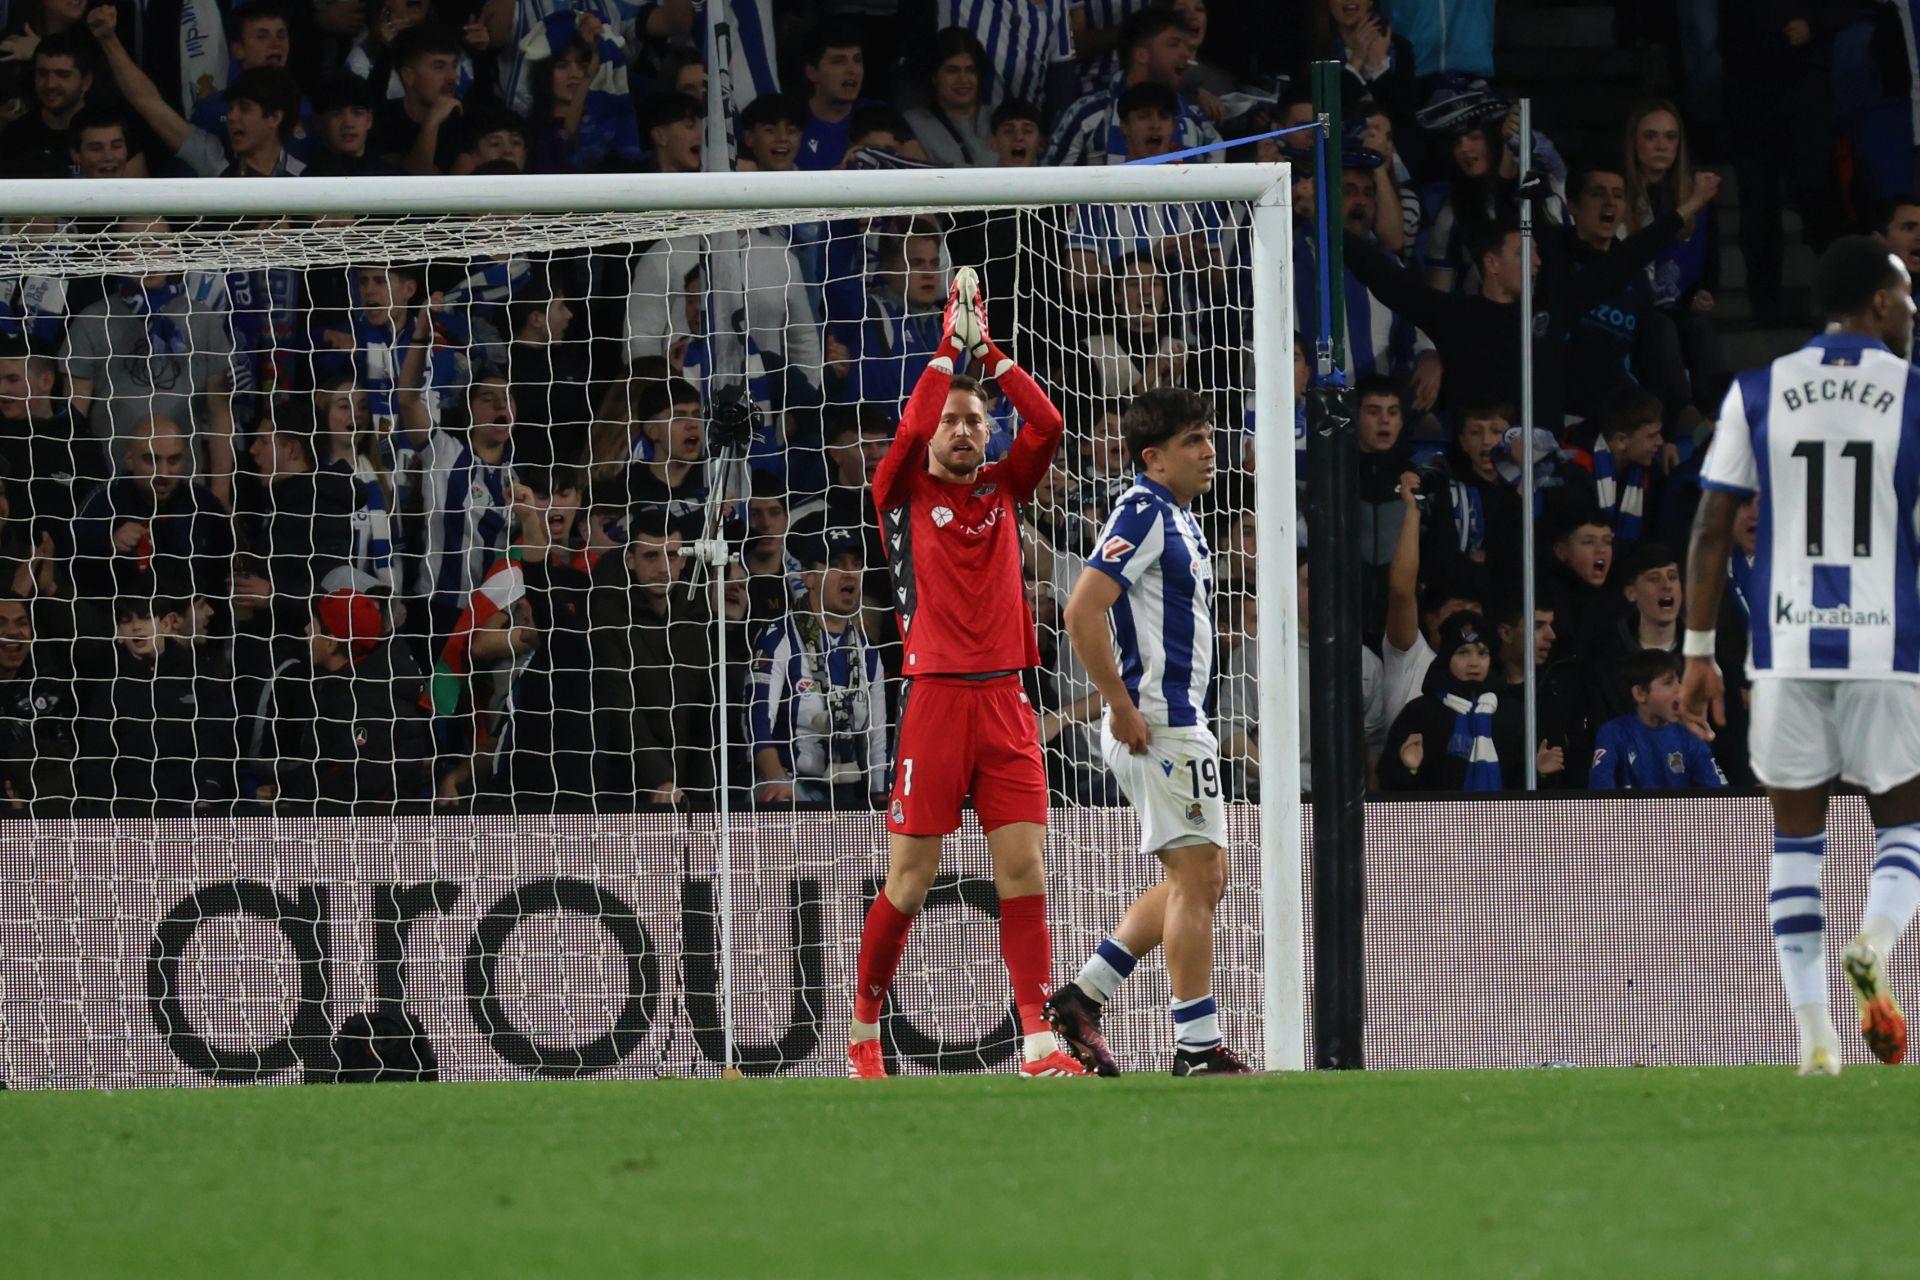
(1337, 728)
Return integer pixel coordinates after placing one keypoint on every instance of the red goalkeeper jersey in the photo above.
(955, 548)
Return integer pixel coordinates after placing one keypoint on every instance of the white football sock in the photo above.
(1108, 967)
(1799, 923)
(1894, 891)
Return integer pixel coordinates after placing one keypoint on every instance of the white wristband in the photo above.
(1698, 644)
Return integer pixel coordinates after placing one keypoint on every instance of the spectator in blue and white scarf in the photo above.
(1627, 445)
(1443, 740)
(583, 112)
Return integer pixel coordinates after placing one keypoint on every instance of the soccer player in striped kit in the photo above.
(1152, 574)
(952, 529)
(1829, 439)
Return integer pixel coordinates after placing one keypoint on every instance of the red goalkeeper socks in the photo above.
(881, 943)
(1028, 952)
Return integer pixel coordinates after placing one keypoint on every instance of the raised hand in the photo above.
(956, 325)
(984, 348)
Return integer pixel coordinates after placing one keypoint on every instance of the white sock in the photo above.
(1799, 923)
(1814, 1022)
(1037, 1046)
(1108, 967)
(1894, 891)
(864, 1031)
(1196, 1023)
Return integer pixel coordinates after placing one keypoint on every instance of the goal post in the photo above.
(221, 230)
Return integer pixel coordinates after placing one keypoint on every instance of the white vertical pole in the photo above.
(1526, 441)
(717, 155)
(1275, 577)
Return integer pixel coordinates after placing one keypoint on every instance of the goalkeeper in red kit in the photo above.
(952, 532)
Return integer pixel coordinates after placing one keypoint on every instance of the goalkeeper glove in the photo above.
(988, 352)
(956, 331)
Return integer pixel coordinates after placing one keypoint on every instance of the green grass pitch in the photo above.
(1742, 1172)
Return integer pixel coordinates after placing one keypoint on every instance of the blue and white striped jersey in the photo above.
(1088, 132)
(1023, 39)
(466, 508)
(820, 700)
(1829, 437)
(1163, 621)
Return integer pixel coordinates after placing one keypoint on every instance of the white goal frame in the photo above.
(759, 197)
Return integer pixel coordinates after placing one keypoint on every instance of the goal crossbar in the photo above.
(643, 193)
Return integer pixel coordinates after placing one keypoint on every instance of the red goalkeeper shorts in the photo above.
(963, 737)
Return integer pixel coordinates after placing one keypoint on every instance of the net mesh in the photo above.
(347, 605)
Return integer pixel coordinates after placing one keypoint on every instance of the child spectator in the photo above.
(905, 300)
(1627, 443)
(1581, 542)
(671, 475)
(1443, 740)
(1650, 585)
(1384, 455)
(1017, 134)
(100, 145)
(954, 125)
(343, 126)
(836, 69)
(1483, 515)
(1650, 749)
(771, 129)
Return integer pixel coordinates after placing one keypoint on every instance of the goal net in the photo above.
(445, 629)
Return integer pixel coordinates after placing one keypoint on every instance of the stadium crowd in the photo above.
(409, 535)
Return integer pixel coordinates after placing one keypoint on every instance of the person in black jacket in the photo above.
(150, 521)
(653, 682)
(299, 516)
(1443, 739)
(149, 748)
(38, 715)
(368, 746)
(1478, 336)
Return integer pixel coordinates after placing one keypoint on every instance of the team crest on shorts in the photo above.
(1196, 815)
(899, 812)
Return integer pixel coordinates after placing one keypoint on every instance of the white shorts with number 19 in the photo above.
(1174, 785)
